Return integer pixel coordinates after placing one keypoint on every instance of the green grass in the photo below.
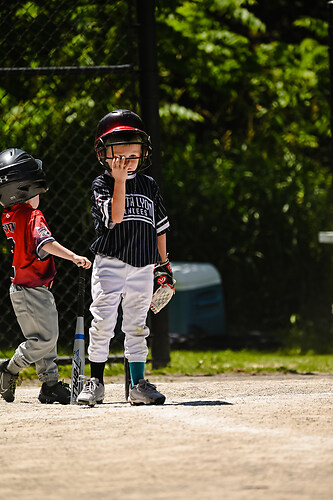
(245, 361)
(214, 362)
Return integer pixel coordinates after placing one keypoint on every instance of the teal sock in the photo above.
(137, 371)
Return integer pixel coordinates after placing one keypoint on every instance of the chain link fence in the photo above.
(63, 65)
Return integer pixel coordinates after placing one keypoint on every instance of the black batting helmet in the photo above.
(21, 177)
(122, 126)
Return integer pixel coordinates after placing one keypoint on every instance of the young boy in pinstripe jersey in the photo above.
(131, 224)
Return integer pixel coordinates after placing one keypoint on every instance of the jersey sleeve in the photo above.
(162, 221)
(101, 204)
(41, 235)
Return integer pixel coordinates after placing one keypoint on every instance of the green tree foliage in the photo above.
(246, 153)
(57, 33)
(244, 106)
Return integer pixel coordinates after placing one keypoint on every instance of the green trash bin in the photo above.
(197, 309)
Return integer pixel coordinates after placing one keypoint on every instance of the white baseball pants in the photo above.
(113, 281)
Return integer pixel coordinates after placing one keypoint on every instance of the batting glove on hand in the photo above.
(164, 287)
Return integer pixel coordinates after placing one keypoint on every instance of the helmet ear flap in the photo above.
(145, 161)
(144, 153)
(100, 149)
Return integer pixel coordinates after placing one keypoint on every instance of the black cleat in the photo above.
(58, 392)
(8, 383)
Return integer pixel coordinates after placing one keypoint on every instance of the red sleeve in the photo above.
(41, 234)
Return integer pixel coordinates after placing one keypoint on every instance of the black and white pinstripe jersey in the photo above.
(134, 240)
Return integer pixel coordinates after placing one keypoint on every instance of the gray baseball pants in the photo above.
(37, 315)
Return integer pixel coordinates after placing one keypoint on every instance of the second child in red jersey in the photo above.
(33, 271)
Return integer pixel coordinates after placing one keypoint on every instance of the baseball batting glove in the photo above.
(164, 287)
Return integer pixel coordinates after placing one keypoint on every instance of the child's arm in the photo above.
(162, 249)
(54, 248)
(119, 173)
(118, 201)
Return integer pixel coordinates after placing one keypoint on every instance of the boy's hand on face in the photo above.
(119, 168)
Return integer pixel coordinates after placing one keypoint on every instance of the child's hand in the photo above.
(81, 261)
(119, 168)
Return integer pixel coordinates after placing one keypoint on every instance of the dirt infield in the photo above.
(222, 437)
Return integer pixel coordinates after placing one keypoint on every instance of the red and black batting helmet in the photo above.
(122, 126)
(21, 177)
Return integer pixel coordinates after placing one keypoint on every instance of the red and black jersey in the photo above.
(27, 232)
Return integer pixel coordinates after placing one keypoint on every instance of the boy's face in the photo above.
(132, 153)
(34, 202)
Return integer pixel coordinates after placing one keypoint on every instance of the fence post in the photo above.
(149, 96)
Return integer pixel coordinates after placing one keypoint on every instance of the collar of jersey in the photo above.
(130, 176)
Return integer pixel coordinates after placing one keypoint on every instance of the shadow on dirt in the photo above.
(200, 403)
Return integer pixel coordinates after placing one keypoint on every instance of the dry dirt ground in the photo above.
(221, 437)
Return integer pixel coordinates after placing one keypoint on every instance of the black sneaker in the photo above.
(8, 383)
(58, 392)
